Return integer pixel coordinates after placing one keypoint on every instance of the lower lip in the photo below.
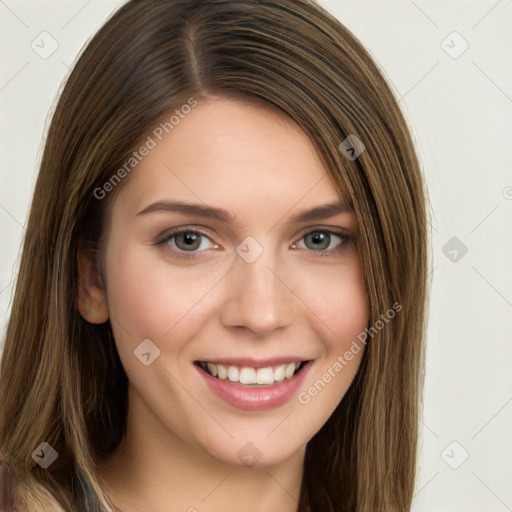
(252, 398)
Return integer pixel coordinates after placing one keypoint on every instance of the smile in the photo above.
(254, 385)
(250, 376)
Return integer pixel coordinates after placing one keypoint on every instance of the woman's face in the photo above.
(247, 288)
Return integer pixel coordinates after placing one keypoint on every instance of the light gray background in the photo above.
(459, 107)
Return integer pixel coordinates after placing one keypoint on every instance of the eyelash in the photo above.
(169, 235)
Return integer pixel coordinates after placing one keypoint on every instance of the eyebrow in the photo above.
(319, 212)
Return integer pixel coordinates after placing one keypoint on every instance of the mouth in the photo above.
(253, 377)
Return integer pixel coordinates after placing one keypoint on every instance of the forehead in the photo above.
(231, 152)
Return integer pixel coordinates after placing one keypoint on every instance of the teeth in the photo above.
(279, 373)
(290, 370)
(248, 376)
(233, 374)
(222, 373)
(265, 376)
(213, 368)
(253, 376)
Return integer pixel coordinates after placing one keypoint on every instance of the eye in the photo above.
(187, 240)
(188, 243)
(325, 241)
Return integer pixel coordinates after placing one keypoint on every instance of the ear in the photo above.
(91, 300)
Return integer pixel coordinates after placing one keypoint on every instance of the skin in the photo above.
(180, 450)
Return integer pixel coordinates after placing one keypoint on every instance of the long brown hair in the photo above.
(61, 380)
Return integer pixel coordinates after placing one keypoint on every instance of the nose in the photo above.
(258, 296)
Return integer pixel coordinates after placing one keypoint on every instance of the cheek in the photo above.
(341, 303)
(343, 312)
(149, 298)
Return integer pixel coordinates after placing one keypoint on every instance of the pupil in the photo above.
(190, 240)
(322, 239)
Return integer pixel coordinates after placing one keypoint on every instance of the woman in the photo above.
(221, 299)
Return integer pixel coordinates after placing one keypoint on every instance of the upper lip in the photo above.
(254, 363)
